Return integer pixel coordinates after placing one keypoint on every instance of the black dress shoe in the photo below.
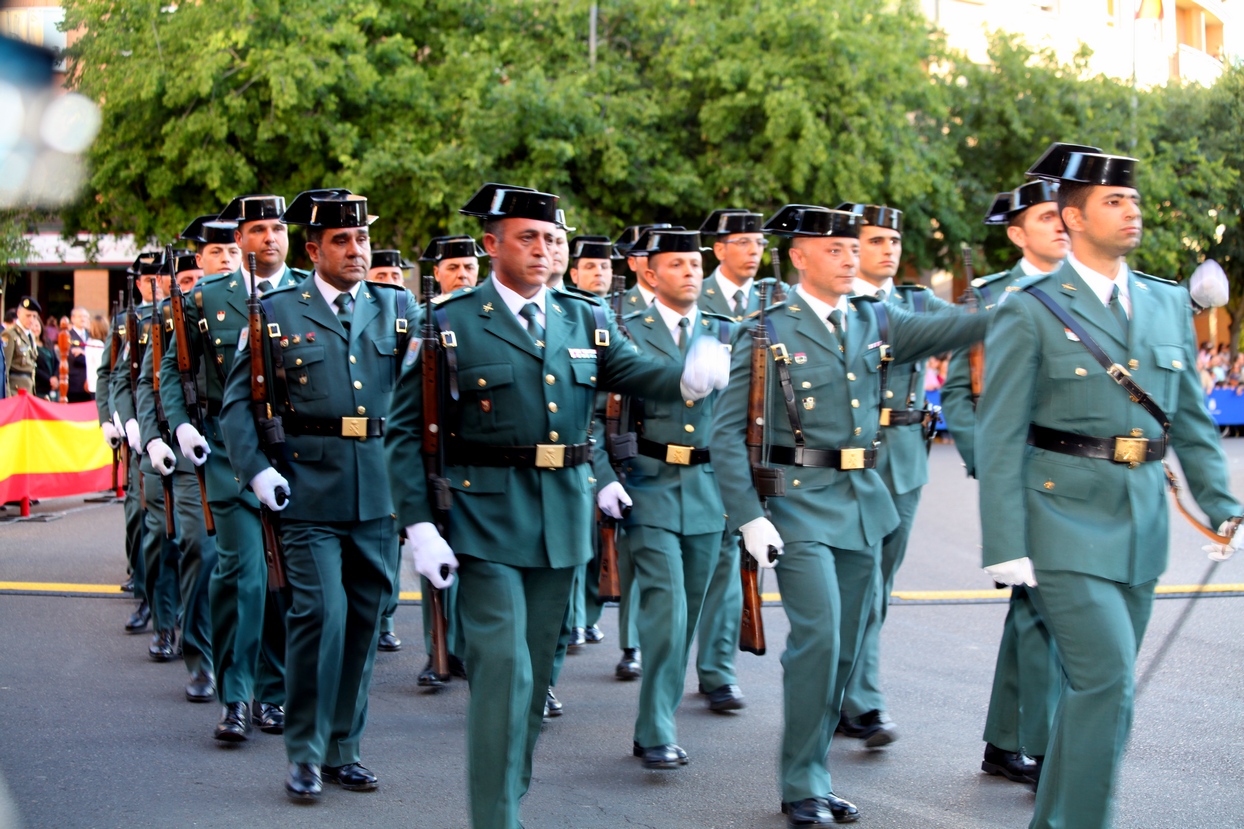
(389, 642)
(726, 698)
(593, 635)
(303, 782)
(578, 638)
(235, 723)
(138, 620)
(457, 667)
(163, 646)
(128, 585)
(874, 727)
(629, 666)
(270, 718)
(202, 686)
(351, 777)
(429, 678)
(552, 705)
(667, 756)
(819, 812)
(1013, 765)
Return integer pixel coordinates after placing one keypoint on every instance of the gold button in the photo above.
(858, 430)
(592, 378)
(889, 394)
(218, 341)
(591, 480)
(358, 384)
(1176, 364)
(298, 362)
(550, 379)
(806, 384)
(393, 515)
(552, 435)
(688, 428)
(1048, 485)
(1081, 372)
(482, 382)
(690, 403)
(1137, 432)
(855, 404)
(352, 360)
(1133, 363)
(295, 455)
(552, 407)
(850, 375)
(361, 410)
(466, 483)
(795, 482)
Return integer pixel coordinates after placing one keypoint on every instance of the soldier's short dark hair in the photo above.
(494, 227)
(315, 235)
(1073, 194)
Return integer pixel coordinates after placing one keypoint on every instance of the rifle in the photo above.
(157, 352)
(621, 446)
(190, 390)
(131, 350)
(976, 352)
(271, 432)
(62, 346)
(114, 346)
(775, 259)
(770, 482)
(434, 464)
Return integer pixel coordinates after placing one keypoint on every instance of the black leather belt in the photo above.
(1128, 450)
(672, 452)
(902, 417)
(828, 458)
(22, 373)
(334, 427)
(540, 456)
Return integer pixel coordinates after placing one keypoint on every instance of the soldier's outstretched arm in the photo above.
(626, 370)
(916, 336)
(728, 438)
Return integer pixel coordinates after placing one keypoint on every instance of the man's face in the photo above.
(268, 239)
(593, 275)
(219, 258)
(459, 272)
(739, 255)
(1041, 233)
(1110, 220)
(391, 276)
(639, 266)
(342, 256)
(27, 318)
(880, 250)
(522, 256)
(561, 253)
(144, 287)
(187, 278)
(678, 277)
(828, 263)
(80, 319)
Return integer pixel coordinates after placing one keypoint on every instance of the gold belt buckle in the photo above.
(851, 459)
(550, 455)
(354, 427)
(885, 417)
(680, 455)
(1130, 450)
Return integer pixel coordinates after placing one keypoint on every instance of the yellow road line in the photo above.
(56, 587)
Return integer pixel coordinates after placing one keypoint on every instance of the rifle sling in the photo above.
(788, 388)
(209, 348)
(280, 384)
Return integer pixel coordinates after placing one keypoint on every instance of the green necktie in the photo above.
(1116, 307)
(835, 319)
(529, 312)
(740, 303)
(684, 336)
(343, 310)
(264, 286)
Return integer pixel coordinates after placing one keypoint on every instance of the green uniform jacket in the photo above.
(957, 408)
(1084, 514)
(516, 394)
(120, 389)
(329, 374)
(716, 297)
(103, 377)
(145, 395)
(838, 399)
(633, 300)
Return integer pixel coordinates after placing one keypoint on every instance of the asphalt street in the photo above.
(94, 734)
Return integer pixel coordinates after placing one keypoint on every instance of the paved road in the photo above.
(93, 734)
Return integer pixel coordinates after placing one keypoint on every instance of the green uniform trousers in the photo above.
(510, 621)
(721, 618)
(453, 629)
(340, 576)
(628, 603)
(160, 555)
(1026, 681)
(386, 618)
(134, 528)
(826, 593)
(671, 577)
(863, 690)
(1097, 625)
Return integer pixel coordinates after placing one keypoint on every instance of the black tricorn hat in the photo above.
(389, 259)
(875, 215)
(331, 208)
(451, 247)
(1007, 206)
(591, 247)
(1054, 160)
(506, 201)
(206, 230)
(561, 221)
(631, 235)
(31, 304)
(810, 220)
(1101, 169)
(668, 240)
(732, 220)
(148, 263)
(252, 209)
(186, 261)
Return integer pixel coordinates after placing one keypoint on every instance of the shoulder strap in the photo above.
(724, 331)
(279, 385)
(1117, 372)
(449, 343)
(209, 348)
(782, 360)
(986, 295)
(919, 302)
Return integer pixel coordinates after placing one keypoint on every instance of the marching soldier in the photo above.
(902, 462)
(21, 350)
(455, 262)
(1090, 378)
(248, 620)
(1027, 676)
(642, 293)
(521, 517)
(836, 511)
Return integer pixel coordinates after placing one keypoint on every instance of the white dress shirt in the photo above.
(730, 289)
(645, 294)
(330, 293)
(822, 309)
(865, 288)
(515, 301)
(1103, 285)
(275, 281)
(671, 317)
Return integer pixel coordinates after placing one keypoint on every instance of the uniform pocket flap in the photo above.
(584, 373)
(1072, 365)
(810, 378)
(484, 377)
(481, 480)
(1170, 357)
(304, 356)
(386, 346)
(1061, 479)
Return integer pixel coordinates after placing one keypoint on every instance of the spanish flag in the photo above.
(1149, 9)
(48, 450)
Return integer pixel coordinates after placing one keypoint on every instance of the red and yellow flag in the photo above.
(1148, 9)
(48, 450)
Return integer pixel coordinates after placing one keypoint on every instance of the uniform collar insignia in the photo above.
(648, 320)
(306, 295)
(557, 308)
(1068, 286)
(488, 306)
(366, 295)
(233, 284)
(711, 292)
(794, 308)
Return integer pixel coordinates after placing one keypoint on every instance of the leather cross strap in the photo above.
(209, 347)
(781, 359)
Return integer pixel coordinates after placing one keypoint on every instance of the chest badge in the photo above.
(801, 358)
(310, 336)
(809, 403)
(220, 316)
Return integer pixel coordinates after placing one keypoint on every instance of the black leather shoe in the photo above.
(138, 620)
(429, 678)
(303, 783)
(127, 586)
(270, 718)
(593, 635)
(351, 777)
(163, 646)
(874, 727)
(388, 643)
(552, 705)
(578, 638)
(235, 723)
(202, 686)
(726, 698)
(660, 757)
(819, 812)
(457, 667)
(629, 666)
(1013, 765)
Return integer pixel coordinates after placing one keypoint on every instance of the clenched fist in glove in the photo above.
(112, 434)
(431, 554)
(271, 488)
(193, 446)
(133, 436)
(707, 368)
(162, 458)
(613, 500)
(761, 539)
(1015, 571)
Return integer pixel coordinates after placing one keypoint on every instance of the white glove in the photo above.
(162, 458)
(1208, 285)
(116, 421)
(1015, 571)
(707, 368)
(1222, 552)
(431, 554)
(266, 485)
(613, 500)
(112, 434)
(193, 447)
(133, 436)
(759, 535)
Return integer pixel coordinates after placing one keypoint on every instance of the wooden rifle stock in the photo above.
(976, 351)
(157, 353)
(190, 390)
(620, 445)
(271, 431)
(434, 466)
(62, 346)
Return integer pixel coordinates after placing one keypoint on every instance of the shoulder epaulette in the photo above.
(633, 315)
(865, 297)
(576, 291)
(911, 287)
(1157, 279)
(713, 315)
(458, 294)
(993, 277)
(280, 290)
(216, 277)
